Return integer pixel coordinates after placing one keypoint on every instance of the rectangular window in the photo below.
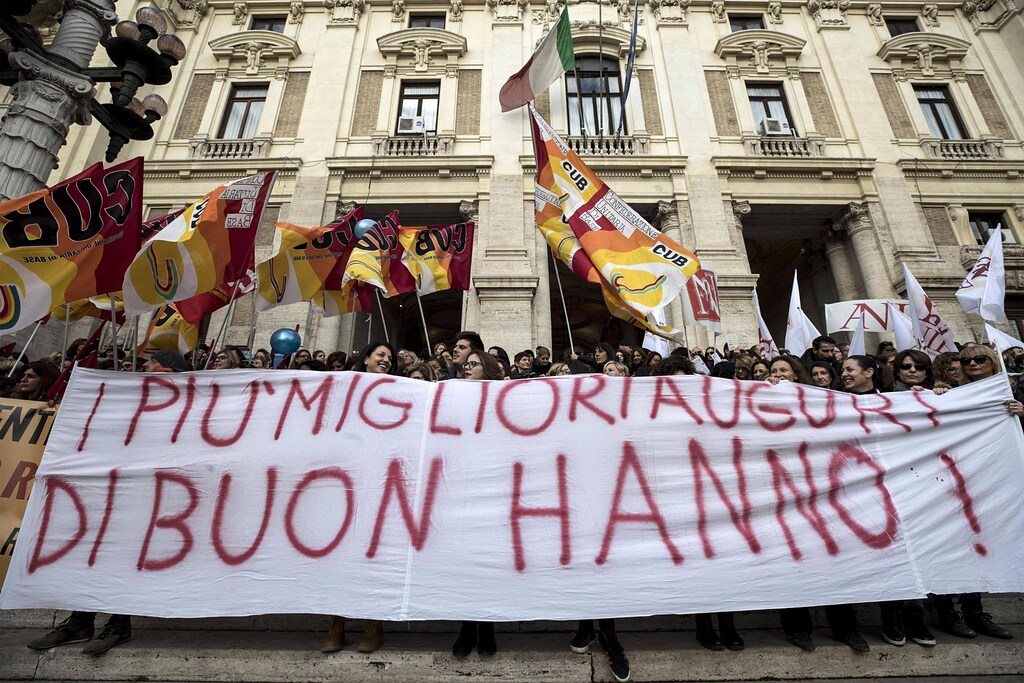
(745, 22)
(275, 24)
(593, 92)
(420, 98)
(243, 111)
(899, 25)
(768, 101)
(940, 111)
(426, 20)
(983, 223)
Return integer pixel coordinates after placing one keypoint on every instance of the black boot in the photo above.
(730, 638)
(486, 646)
(706, 634)
(466, 641)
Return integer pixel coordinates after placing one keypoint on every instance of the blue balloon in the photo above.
(285, 341)
(364, 226)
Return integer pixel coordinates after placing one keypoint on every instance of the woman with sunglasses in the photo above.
(977, 362)
(913, 370)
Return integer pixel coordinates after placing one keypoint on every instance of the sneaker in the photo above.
(581, 642)
(74, 629)
(981, 622)
(917, 631)
(854, 640)
(117, 630)
(616, 658)
(802, 640)
(953, 623)
(892, 627)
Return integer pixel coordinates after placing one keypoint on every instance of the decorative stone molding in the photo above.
(455, 10)
(189, 13)
(665, 11)
(587, 36)
(295, 12)
(853, 220)
(775, 12)
(740, 209)
(421, 50)
(760, 51)
(930, 14)
(989, 15)
(344, 12)
(549, 15)
(718, 12)
(241, 11)
(258, 52)
(666, 217)
(469, 209)
(923, 54)
(398, 11)
(507, 11)
(874, 14)
(829, 13)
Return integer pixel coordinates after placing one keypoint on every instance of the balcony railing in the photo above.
(609, 146)
(253, 148)
(413, 145)
(784, 146)
(964, 150)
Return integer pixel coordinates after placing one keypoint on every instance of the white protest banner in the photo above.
(701, 305)
(843, 316)
(237, 493)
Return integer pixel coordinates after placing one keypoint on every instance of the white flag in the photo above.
(653, 341)
(983, 290)
(766, 346)
(903, 328)
(800, 331)
(857, 342)
(1002, 340)
(700, 366)
(929, 327)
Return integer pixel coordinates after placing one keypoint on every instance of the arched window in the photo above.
(593, 91)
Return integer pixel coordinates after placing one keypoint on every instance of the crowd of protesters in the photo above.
(825, 364)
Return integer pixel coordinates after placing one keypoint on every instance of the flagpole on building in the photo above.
(17, 362)
(423, 317)
(113, 325)
(565, 311)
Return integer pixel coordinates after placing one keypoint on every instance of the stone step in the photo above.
(289, 657)
(1004, 607)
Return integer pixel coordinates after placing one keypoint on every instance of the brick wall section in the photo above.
(195, 106)
(364, 119)
(291, 108)
(895, 110)
(989, 106)
(467, 104)
(543, 104)
(649, 98)
(821, 107)
(938, 222)
(726, 122)
(265, 231)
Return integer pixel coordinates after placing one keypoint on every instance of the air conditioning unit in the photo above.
(774, 127)
(411, 125)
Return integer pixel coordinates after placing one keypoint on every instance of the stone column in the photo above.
(469, 210)
(860, 231)
(842, 272)
(50, 98)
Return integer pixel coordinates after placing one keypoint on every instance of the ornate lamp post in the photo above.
(55, 87)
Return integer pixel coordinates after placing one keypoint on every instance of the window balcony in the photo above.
(413, 145)
(610, 146)
(248, 148)
(784, 146)
(964, 150)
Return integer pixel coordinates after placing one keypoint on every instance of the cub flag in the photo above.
(307, 262)
(599, 236)
(68, 242)
(210, 243)
(376, 261)
(93, 307)
(170, 331)
(439, 257)
(983, 291)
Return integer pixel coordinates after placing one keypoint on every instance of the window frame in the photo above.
(783, 99)
(891, 21)
(429, 16)
(420, 99)
(234, 98)
(931, 112)
(607, 70)
(743, 18)
(997, 216)
(272, 20)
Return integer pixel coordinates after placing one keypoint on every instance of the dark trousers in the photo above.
(970, 603)
(842, 619)
(607, 626)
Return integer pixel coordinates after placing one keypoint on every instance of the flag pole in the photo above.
(135, 345)
(426, 335)
(227, 316)
(67, 328)
(568, 328)
(383, 322)
(17, 362)
(113, 325)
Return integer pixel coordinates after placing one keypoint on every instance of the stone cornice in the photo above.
(793, 168)
(760, 51)
(622, 167)
(924, 50)
(227, 169)
(938, 168)
(237, 45)
(435, 40)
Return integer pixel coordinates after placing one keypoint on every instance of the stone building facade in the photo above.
(840, 138)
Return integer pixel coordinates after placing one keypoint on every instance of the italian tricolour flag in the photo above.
(553, 58)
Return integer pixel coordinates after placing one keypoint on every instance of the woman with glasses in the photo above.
(946, 368)
(261, 360)
(300, 357)
(480, 634)
(377, 358)
(559, 369)
(912, 370)
(226, 359)
(977, 362)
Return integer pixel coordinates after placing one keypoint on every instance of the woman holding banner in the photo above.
(375, 358)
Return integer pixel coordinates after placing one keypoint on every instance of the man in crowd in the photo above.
(465, 342)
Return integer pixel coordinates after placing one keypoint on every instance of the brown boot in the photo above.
(373, 637)
(335, 636)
